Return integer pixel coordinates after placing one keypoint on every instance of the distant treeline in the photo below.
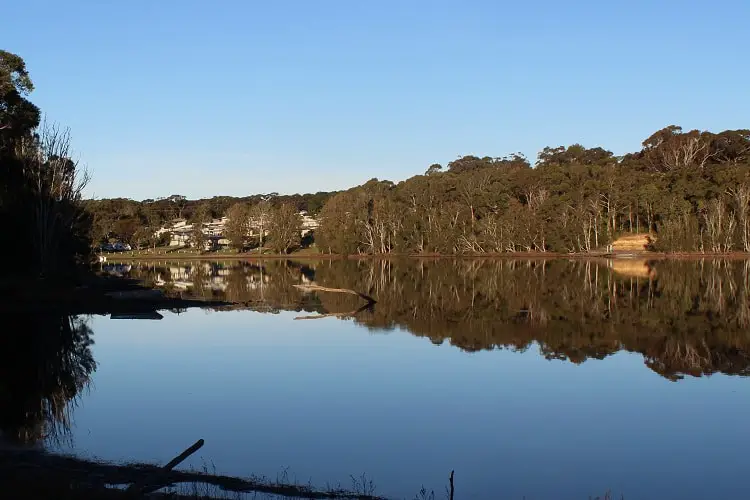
(690, 190)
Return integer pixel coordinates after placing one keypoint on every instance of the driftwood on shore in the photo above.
(317, 288)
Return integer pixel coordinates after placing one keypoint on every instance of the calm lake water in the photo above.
(557, 379)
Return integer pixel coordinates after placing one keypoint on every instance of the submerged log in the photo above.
(317, 288)
(328, 315)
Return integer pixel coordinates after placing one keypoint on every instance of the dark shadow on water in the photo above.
(45, 364)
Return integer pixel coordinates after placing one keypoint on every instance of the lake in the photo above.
(540, 379)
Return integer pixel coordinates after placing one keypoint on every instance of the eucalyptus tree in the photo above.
(237, 227)
(285, 228)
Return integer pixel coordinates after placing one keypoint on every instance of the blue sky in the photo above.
(238, 97)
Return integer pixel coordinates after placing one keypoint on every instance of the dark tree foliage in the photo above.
(18, 116)
(40, 186)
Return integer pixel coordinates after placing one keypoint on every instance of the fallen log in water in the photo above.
(337, 315)
(317, 288)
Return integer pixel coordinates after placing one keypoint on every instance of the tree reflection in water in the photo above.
(687, 318)
(46, 363)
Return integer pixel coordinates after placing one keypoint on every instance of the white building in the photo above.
(180, 231)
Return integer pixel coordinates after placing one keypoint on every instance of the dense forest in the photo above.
(685, 318)
(689, 190)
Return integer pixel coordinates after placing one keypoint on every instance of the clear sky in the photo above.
(236, 97)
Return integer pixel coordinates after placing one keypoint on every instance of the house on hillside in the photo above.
(309, 223)
(180, 235)
(180, 231)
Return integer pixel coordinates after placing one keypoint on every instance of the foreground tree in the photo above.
(18, 116)
(40, 186)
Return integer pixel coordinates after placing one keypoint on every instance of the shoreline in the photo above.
(101, 296)
(173, 257)
(32, 473)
